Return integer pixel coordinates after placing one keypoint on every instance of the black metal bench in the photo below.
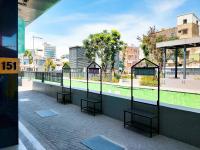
(93, 101)
(150, 116)
(91, 105)
(143, 115)
(64, 97)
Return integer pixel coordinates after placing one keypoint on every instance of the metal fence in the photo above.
(55, 76)
(43, 76)
(189, 71)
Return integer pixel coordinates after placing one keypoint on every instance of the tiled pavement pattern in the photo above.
(66, 130)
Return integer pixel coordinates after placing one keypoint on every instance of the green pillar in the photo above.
(21, 35)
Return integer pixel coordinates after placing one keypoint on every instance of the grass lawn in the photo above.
(174, 98)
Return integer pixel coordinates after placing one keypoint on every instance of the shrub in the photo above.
(126, 76)
(115, 80)
(117, 76)
(79, 78)
(148, 81)
(197, 78)
(95, 78)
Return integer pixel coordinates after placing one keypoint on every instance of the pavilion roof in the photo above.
(181, 43)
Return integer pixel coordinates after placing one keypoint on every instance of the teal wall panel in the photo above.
(21, 35)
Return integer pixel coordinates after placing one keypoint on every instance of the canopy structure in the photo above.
(175, 45)
(29, 10)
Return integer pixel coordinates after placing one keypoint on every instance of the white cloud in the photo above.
(165, 6)
(129, 25)
(68, 18)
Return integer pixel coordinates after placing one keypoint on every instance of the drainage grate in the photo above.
(46, 113)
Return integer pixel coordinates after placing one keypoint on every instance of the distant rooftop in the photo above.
(189, 14)
(75, 47)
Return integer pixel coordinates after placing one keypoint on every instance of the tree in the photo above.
(66, 64)
(105, 45)
(98, 45)
(116, 46)
(28, 54)
(49, 65)
(148, 45)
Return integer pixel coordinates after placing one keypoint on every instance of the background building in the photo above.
(49, 51)
(36, 65)
(65, 56)
(77, 58)
(188, 26)
(131, 56)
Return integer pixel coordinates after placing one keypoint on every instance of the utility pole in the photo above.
(35, 37)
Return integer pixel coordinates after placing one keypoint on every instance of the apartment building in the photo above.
(131, 56)
(77, 58)
(188, 26)
(36, 65)
(49, 51)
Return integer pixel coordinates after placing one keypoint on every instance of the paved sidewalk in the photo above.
(66, 130)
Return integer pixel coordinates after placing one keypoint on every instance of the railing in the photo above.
(60, 76)
(43, 76)
(189, 71)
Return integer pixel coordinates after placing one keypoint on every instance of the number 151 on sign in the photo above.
(9, 65)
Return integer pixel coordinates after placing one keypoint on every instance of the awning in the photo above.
(29, 10)
(189, 43)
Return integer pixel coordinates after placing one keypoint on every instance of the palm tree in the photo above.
(49, 65)
(28, 54)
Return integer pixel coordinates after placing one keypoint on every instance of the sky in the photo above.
(69, 22)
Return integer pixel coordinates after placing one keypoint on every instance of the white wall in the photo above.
(190, 19)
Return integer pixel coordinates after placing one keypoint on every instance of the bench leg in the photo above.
(63, 98)
(81, 105)
(151, 132)
(124, 119)
(94, 109)
(65, 102)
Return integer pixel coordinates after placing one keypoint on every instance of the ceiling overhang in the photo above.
(29, 10)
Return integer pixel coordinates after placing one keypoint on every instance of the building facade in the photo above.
(36, 65)
(188, 26)
(77, 58)
(49, 51)
(131, 56)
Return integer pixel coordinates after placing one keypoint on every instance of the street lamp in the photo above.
(35, 37)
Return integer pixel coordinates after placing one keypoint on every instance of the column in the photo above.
(1, 40)
(176, 62)
(164, 61)
(184, 62)
(8, 79)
